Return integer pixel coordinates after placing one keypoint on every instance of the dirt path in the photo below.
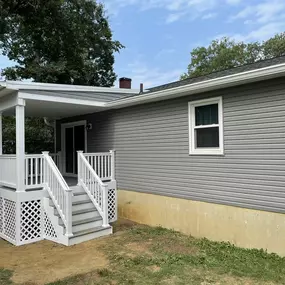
(45, 261)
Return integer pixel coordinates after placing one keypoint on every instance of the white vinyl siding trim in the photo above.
(192, 127)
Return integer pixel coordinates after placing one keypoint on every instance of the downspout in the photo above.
(53, 125)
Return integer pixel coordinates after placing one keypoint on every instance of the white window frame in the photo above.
(191, 110)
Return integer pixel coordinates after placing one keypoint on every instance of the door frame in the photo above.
(63, 139)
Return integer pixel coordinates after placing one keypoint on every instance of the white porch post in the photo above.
(79, 169)
(112, 152)
(20, 145)
(105, 205)
(1, 135)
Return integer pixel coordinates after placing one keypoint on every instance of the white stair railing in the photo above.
(59, 191)
(93, 186)
(56, 158)
(102, 163)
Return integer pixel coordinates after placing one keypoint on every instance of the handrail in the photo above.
(93, 186)
(59, 192)
(56, 158)
(96, 153)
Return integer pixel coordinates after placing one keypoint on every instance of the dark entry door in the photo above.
(74, 141)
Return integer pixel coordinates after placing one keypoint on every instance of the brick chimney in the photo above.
(125, 83)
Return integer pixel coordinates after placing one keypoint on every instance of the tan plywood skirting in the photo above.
(242, 227)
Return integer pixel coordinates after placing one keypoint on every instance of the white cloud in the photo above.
(265, 19)
(150, 76)
(262, 33)
(209, 16)
(175, 9)
(171, 18)
(233, 2)
(264, 12)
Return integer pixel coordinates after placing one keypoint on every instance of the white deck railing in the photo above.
(33, 171)
(102, 163)
(8, 170)
(94, 187)
(59, 191)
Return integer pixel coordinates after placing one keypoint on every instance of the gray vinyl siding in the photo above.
(152, 148)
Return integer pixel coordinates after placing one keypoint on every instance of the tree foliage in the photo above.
(226, 53)
(58, 41)
(54, 41)
(38, 137)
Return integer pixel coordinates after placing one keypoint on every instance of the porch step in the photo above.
(85, 235)
(86, 220)
(82, 205)
(77, 190)
(85, 224)
(79, 197)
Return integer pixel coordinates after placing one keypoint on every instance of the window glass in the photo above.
(207, 137)
(206, 115)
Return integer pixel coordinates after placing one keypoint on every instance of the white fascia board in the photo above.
(19, 85)
(10, 101)
(3, 83)
(57, 99)
(203, 86)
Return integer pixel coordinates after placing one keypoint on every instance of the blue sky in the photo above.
(159, 34)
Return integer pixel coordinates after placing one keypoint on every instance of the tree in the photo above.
(227, 53)
(38, 136)
(58, 41)
(54, 41)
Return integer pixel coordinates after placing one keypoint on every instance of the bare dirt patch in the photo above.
(154, 268)
(45, 262)
(123, 224)
(139, 247)
(180, 249)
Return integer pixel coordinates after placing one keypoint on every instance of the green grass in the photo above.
(145, 255)
(5, 276)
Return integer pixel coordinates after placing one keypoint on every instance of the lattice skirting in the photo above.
(48, 228)
(112, 204)
(24, 222)
(8, 219)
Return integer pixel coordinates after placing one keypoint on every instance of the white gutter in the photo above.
(21, 85)
(203, 86)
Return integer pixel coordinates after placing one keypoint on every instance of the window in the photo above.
(206, 126)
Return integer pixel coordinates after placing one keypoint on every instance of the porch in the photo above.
(34, 171)
(40, 196)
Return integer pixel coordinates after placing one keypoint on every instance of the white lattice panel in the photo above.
(1, 214)
(112, 205)
(9, 219)
(31, 220)
(49, 230)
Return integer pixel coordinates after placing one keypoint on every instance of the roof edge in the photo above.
(241, 78)
(20, 85)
